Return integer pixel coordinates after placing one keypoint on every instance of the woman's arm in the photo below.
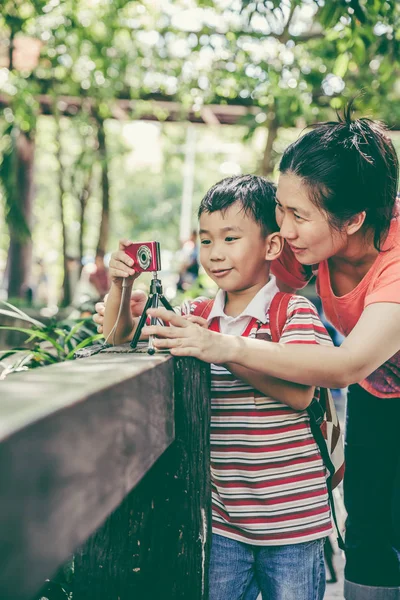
(126, 324)
(374, 340)
(294, 395)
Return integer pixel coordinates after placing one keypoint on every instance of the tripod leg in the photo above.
(141, 323)
(165, 303)
(153, 321)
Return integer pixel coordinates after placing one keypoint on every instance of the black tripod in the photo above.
(155, 297)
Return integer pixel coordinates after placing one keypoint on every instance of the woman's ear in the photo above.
(355, 223)
(274, 245)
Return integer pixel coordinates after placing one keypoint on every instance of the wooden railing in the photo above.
(106, 459)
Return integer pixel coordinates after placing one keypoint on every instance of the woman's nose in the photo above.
(287, 229)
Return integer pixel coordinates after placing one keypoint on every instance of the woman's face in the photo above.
(304, 226)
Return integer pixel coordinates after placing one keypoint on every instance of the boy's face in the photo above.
(233, 250)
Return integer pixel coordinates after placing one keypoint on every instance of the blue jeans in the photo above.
(241, 571)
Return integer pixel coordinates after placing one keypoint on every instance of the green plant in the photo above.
(51, 343)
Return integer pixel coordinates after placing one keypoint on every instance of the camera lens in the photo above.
(144, 257)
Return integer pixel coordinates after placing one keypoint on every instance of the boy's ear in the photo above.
(274, 245)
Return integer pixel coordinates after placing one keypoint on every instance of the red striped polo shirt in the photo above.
(268, 478)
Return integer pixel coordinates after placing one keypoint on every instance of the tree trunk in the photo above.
(105, 189)
(20, 250)
(84, 195)
(13, 32)
(267, 165)
(66, 286)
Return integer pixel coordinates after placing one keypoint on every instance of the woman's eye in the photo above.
(298, 217)
(278, 207)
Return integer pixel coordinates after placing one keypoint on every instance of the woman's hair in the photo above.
(348, 167)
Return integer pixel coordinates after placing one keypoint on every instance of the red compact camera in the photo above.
(146, 256)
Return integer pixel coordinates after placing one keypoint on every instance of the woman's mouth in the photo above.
(296, 249)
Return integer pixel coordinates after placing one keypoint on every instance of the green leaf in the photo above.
(19, 314)
(341, 64)
(359, 51)
(7, 353)
(46, 355)
(60, 332)
(73, 331)
(23, 330)
(86, 342)
(36, 334)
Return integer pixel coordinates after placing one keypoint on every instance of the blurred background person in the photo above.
(189, 263)
(99, 276)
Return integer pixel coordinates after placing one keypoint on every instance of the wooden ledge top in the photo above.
(31, 395)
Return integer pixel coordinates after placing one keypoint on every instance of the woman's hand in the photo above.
(122, 266)
(185, 338)
(197, 320)
(137, 303)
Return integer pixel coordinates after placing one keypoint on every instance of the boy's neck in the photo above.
(236, 302)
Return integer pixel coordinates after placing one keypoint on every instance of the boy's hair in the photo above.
(254, 193)
(348, 167)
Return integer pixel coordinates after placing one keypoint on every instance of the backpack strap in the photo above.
(321, 443)
(278, 314)
(316, 409)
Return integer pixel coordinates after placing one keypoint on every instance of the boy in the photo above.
(269, 496)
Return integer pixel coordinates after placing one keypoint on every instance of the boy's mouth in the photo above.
(220, 272)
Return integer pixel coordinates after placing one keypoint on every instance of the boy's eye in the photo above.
(205, 242)
(230, 239)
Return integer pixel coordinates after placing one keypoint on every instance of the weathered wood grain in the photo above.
(75, 438)
(156, 544)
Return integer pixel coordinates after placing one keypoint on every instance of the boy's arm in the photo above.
(295, 395)
(122, 274)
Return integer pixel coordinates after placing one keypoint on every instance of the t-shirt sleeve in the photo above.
(386, 286)
(287, 269)
(189, 306)
(303, 325)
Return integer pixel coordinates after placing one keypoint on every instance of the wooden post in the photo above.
(156, 544)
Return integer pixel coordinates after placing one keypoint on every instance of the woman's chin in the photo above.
(306, 259)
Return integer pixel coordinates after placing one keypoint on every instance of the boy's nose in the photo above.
(216, 253)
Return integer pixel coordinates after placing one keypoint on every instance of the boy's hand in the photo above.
(137, 302)
(188, 339)
(122, 266)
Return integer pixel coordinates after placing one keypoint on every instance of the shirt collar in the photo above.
(257, 307)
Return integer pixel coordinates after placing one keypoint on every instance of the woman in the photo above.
(337, 210)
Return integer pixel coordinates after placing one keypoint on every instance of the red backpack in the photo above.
(324, 422)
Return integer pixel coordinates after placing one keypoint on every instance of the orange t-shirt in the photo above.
(380, 284)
